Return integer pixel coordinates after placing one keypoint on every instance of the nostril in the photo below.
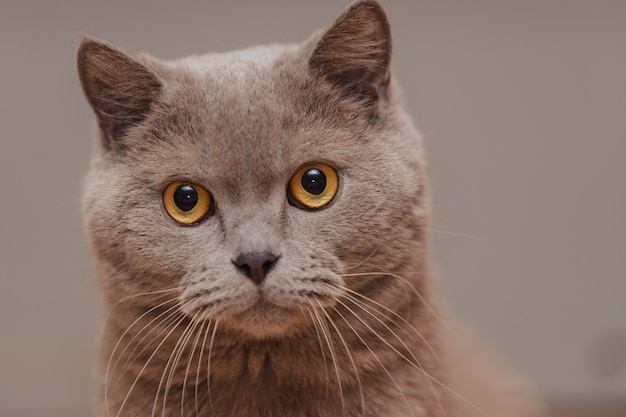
(256, 265)
(267, 265)
(245, 268)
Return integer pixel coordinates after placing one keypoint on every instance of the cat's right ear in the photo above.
(119, 88)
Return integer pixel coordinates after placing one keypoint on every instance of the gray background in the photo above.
(522, 103)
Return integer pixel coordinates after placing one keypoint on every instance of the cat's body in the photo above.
(278, 298)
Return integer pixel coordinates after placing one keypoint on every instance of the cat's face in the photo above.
(256, 187)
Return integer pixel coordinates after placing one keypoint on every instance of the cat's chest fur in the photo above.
(301, 376)
(260, 222)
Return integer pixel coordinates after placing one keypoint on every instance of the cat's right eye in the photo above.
(187, 203)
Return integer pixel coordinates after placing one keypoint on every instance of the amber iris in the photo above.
(187, 203)
(313, 186)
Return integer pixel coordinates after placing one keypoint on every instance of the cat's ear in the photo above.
(354, 54)
(119, 88)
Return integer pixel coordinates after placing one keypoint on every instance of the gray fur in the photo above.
(302, 343)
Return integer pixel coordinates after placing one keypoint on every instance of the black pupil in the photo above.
(185, 197)
(314, 181)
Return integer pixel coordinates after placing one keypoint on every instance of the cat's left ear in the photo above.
(354, 54)
(119, 87)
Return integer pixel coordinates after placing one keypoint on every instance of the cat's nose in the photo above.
(256, 265)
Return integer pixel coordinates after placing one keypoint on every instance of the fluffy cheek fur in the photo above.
(148, 252)
(132, 234)
(145, 252)
(366, 235)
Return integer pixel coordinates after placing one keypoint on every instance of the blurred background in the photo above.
(523, 106)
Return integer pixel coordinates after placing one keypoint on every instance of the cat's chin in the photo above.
(262, 320)
(264, 312)
(267, 321)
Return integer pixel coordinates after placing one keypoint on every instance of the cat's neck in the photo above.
(343, 358)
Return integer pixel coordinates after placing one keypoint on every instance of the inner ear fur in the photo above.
(119, 88)
(354, 54)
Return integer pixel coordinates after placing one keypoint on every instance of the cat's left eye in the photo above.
(313, 186)
(187, 203)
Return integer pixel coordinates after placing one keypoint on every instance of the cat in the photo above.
(259, 221)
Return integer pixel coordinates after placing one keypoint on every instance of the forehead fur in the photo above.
(245, 121)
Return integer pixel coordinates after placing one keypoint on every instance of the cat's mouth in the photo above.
(279, 305)
(254, 313)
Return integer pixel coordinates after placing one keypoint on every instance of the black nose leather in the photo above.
(255, 265)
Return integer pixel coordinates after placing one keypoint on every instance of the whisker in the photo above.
(456, 234)
(419, 365)
(109, 368)
(144, 294)
(345, 345)
(352, 297)
(377, 359)
(199, 324)
(206, 333)
(173, 357)
(426, 374)
(326, 334)
(184, 339)
(319, 339)
(168, 317)
(430, 309)
(179, 355)
(364, 260)
(180, 320)
(208, 368)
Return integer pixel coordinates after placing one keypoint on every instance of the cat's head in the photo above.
(256, 187)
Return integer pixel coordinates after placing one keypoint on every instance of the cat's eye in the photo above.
(313, 186)
(187, 203)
